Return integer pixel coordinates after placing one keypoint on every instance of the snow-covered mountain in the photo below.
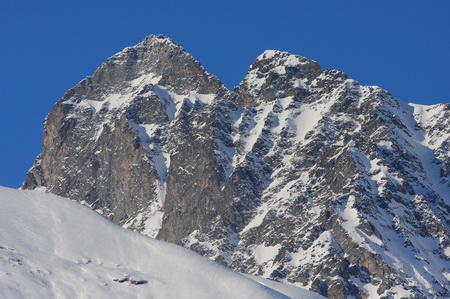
(51, 247)
(299, 174)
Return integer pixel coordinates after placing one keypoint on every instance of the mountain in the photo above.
(299, 175)
(47, 252)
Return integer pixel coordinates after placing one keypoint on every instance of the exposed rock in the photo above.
(299, 174)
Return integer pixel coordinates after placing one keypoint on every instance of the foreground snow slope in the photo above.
(51, 247)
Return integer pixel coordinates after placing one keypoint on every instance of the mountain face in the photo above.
(299, 174)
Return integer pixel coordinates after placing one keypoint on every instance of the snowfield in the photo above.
(52, 247)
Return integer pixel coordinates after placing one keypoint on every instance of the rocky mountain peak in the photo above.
(157, 59)
(300, 175)
(280, 62)
(277, 74)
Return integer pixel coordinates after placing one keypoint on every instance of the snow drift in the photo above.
(51, 247)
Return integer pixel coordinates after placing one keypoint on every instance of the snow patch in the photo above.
(291, 291)
(257, 219)
(264, 254)
(350, 222)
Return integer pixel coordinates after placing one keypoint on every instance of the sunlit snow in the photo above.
(51, 247)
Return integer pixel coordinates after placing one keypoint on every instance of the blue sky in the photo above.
(46, 47)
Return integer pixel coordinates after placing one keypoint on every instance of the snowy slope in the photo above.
(47, 252)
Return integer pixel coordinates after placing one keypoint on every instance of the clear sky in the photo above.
(48, 46)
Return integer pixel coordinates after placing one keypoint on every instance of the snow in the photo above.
(372, 290)
(257, 219)
(398, 291)
(299, 120)
(350, 220)
(430, 139)
(116, 100)
(94, 105)
(51, 247)
(287, 59)
(267, 54)
(145, 79)
(255, 132)
(385, 144)
(151, 217)
(289, 290)
(264, 254)
(225, 156)
(421, 279)
(314, 255)
(174, 101)
(308, 118)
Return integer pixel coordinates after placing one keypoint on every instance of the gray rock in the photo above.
(299, 174)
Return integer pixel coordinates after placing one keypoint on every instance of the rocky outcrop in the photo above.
(299, 174)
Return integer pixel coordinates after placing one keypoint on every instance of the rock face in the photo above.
(299, 174)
